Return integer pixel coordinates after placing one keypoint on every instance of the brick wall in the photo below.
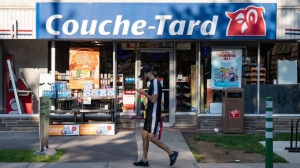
(21, 122)
(251, 123)
(185, 121)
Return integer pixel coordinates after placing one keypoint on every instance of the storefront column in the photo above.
(53, 61)
(199, 99)
(258, 76)
(52, 69)
(172, 84)
(115, 74)
(138, 83)
(2, 97)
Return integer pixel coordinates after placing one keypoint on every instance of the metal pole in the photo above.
(269, 133)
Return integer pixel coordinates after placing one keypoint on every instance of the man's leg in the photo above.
(172, 154)
(145, 135)
(144, 160)
(159, 143)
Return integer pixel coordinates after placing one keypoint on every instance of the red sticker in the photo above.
(234, 113)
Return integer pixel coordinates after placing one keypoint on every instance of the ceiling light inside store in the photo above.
(96, 42)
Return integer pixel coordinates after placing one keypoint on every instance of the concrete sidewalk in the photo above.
(121, 150)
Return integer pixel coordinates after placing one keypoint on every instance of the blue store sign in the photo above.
(169, 21)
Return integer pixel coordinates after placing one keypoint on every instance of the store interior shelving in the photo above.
(183, 95)
(254, 75)
(249, 61)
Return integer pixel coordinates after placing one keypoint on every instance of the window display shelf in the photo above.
(183, 96)
(100, 105)
(254, 75)
(66, 106)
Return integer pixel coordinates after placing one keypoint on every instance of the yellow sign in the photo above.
(83, 67)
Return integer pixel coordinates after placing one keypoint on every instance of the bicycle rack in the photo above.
(291, 148)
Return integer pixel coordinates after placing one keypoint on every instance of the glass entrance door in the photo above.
(159, 60)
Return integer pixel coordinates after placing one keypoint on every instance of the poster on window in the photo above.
(83, 67)
(226, 67)
(128, 102)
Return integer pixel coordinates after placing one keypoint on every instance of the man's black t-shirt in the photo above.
(154, 109)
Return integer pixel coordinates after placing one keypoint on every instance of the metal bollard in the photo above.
(269, 133)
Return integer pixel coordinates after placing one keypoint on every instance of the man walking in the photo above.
(153, 117)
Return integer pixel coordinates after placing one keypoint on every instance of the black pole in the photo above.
(297, 132)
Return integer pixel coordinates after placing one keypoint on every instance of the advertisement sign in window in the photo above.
(226, 67)
(84, 67)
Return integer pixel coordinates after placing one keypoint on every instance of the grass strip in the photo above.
(15, 155)
(248, 143)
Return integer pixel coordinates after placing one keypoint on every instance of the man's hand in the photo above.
(140, 91)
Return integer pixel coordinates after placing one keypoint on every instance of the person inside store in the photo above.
(153, 117)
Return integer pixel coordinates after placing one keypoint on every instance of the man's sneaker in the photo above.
(141, 163)
(173, 158)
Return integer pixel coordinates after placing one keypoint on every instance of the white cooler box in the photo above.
(215, 107)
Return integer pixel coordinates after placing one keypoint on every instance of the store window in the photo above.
(278, 77)
(126, 53)
(92, 61)
(222, 68)
(186, 77)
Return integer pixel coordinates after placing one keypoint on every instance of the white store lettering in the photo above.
(138, 28)
(66, 25)
(92, 28)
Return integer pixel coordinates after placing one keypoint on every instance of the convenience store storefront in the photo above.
(152, 22)
(176, 40)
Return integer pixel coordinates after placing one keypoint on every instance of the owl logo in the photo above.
(246, 22)
(14, 106)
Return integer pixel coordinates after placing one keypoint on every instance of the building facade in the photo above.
(180, 40)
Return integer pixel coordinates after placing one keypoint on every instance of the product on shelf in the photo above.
(183, 95)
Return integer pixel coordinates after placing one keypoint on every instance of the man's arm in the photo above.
(151, 98)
